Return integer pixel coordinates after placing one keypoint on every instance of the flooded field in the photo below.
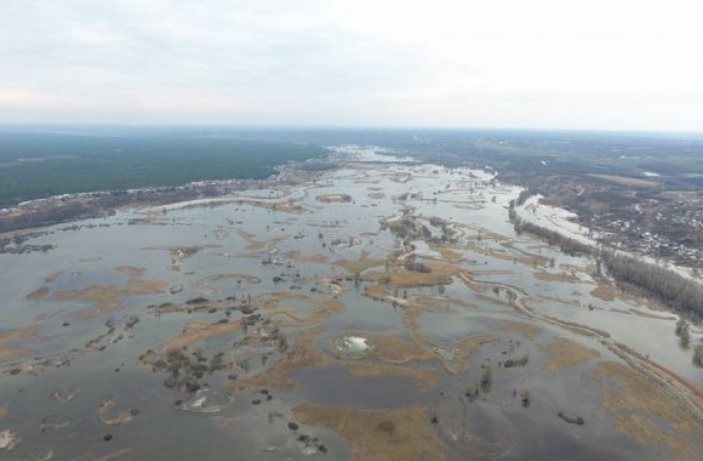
(378, 311)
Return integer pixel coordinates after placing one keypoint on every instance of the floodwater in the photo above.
(113, 342)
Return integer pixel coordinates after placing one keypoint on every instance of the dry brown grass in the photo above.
(305, 353)
(131, 271)
(199, 330)
(423, 379)
(359, 265)
(398, 350)
(566, 353)
(270, 301)
(51, 278)
(38, 294)
(254, 245)
(448, 251)
(323, 309)
(107, 298)
(286, 207)
(302, 353)
(526, 330)
(178, 253)
(7, 352)
(505, 256)
(205, 285)
(377, 292)
(110, 415)
(637, 401)
(562, 277)
(604, 292)
(456, 357)
(440, 274)
(403, 434)
(301, 257)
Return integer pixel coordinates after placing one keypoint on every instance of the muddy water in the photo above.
(315, 272)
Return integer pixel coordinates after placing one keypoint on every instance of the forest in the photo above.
(41, 164)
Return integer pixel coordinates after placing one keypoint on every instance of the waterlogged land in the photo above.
(378, 311)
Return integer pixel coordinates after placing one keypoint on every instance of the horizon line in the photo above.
(294, 127)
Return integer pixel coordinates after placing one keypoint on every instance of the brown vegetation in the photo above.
(360, 265)
(456, 357)
(566, 353)
(305, 353)
(403, 434)
(107, 298)
(131, 271)
(198, 330)
(526, 330)
(299, 256)
(331, 198)
(7, 352)
(110, 415)
(38, 294)
(639, 403)
(254, 245)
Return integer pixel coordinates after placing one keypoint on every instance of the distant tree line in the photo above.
(566, 244)
(668, 286)
(523, 196)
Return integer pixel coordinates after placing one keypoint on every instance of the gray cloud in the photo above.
(544, 63)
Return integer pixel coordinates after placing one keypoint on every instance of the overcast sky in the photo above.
(604, 64)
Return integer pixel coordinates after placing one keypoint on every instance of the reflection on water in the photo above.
(212, 326)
